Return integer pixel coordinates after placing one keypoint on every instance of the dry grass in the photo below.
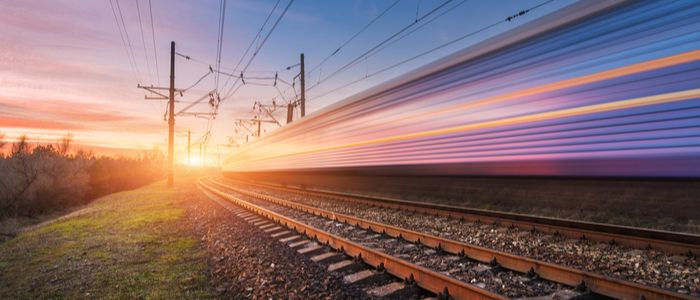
(135, 244)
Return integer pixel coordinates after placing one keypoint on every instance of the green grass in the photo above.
(135, 244)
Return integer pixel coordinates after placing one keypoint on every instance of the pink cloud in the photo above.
(51, 114)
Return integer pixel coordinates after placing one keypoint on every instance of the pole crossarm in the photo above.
(208, 95)
(269, 114)
(268, 109)
(151, 87)
(153, 90)
(241, 123)
(195, 114)
(256, 120)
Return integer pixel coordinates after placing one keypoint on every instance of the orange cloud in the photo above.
(12, 122)
(71, 115)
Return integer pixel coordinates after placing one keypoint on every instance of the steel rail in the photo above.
(666, 241)
(432, 281)
(572, 277)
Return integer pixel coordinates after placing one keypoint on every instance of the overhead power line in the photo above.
(257, 50)
(153, 35)
(220, 41)
(126, 50)
(143, 41)
(197, 82)
(360, 57)
(392, 42)
(229, 73)
(252, 42)
(422, 25)
(487, 27)
(354, 36)
(128, 40)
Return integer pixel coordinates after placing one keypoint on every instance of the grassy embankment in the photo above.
(134, 244)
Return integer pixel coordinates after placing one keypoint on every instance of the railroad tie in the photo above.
(310, 248)
(261, 222)
(289, 239)
(358, 276)
(266, 226)
(273, 229)
(340, 265)
(386, 290)
(297, 244)
(279, 234)
(324, 256)
(252, 219)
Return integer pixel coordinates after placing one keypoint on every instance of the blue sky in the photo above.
(83, 38)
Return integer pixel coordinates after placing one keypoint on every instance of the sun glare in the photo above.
(194, 161)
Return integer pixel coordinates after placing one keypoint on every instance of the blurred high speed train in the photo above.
(600, 88)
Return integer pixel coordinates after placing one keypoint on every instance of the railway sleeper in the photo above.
(375, 282)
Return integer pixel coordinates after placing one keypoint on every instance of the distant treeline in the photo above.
(38, 179)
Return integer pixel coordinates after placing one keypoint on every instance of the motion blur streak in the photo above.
(611, 93)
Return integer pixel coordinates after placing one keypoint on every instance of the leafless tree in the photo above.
(24, 173)
(43, 178)
(64, 144)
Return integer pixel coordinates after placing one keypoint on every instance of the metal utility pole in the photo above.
(171, 115)
(188, 147)
(259, 128)
(269, 109)
(256, 122)
(303, 88)
(154, 90)
(218, 156)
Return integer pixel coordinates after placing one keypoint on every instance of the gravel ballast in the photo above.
(504, 282)
(677, 273)
(248, 264)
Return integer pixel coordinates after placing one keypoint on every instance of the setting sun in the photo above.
(194, 161)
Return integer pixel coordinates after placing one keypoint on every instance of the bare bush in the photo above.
(46, 178)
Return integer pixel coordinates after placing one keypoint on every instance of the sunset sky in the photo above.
(64, 68)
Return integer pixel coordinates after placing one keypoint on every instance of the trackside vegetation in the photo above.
(136, 244)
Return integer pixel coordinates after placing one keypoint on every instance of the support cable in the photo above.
(506, 20)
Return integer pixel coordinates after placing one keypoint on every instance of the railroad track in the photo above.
(497, 273)
(666, 241)
(441, 285)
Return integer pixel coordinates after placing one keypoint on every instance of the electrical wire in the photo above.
(126, 50)
(506, 20)
(143, 41)
(195, 102)
(252, 42)
(354, 36)
(222, 18)
(250, 61)
(352, 62)
(197, 82)
(394, 42)
(415, 29)
(153, 35)
(126, 33)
